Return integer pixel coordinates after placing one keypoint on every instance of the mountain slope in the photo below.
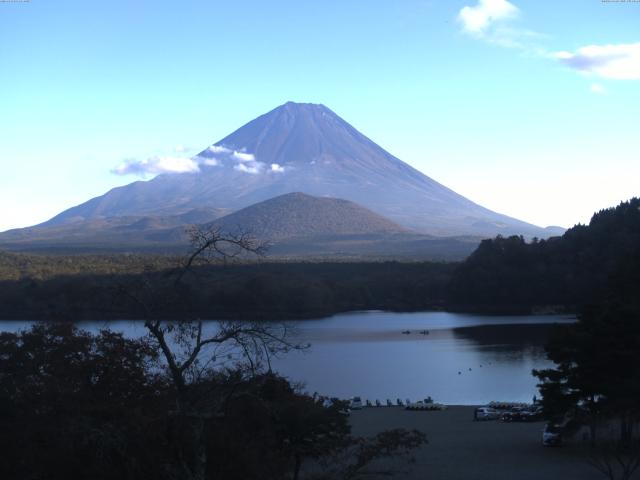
(297, 214)
(110, 233)
(295, 226)
(304, 148)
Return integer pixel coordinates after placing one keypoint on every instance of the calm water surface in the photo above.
(464, 359)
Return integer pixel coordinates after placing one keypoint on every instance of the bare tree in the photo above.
(192, 348)
(616, 460)
(212, 244)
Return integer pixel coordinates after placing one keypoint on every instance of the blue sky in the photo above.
(527, 107)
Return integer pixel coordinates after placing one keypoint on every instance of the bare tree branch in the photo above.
(212, 243)
(615, 460)
(183, 341)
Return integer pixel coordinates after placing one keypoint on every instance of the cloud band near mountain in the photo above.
(240, 161)
(156, 165)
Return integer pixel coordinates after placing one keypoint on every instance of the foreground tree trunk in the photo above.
(198, 454)
(297, 466)
(184, 343)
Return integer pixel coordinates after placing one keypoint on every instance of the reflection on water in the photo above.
(464, 359)
(459, 359)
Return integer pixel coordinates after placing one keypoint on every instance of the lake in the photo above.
(464, 359)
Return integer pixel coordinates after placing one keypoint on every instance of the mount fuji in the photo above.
(297, 147)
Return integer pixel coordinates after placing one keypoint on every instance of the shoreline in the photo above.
(311, 316)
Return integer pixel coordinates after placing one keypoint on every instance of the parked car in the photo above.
(486, 413)
(516, 415)
(513, 415)
(520, 414)
(356, 403)
(552, 435)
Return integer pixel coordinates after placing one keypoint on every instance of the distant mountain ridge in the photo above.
(304, 148)
(294, 225)
(122, 232)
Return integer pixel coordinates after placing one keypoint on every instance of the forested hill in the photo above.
(297, 214)
(571, 271)
(105, 288)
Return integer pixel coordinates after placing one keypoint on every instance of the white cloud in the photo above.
(598, 89)
(477, 20)
(253, 169)
(275, 167)
(218, 149)
(246, 162)
(617, 62)
(491, 22)
(163, 164)
(240, 160)
(243, 156)
(156, 165)
(182, 149)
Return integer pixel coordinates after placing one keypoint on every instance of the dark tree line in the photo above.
(596, 381)
(74, 405)
(503, 275)
(83, 406)
(566, 273)
(243, 290)
(594, 271)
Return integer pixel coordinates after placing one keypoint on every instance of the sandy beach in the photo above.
(460, 448)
